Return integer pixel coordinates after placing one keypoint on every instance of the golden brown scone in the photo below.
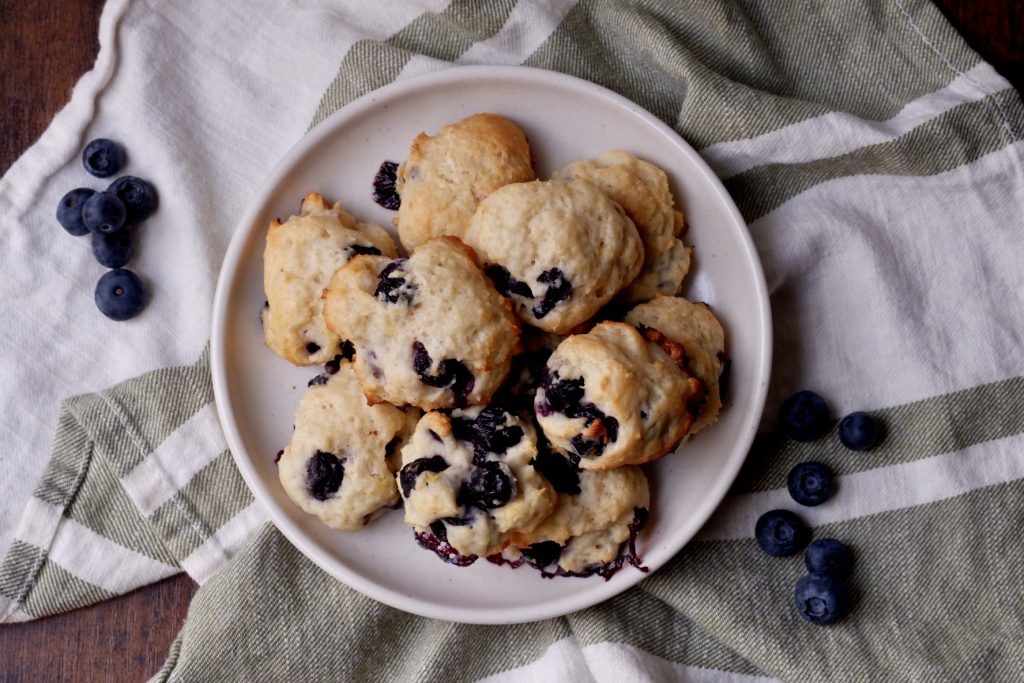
(642, 190)
(428, 331)
(697, 329)
(300, 257)
(446, 176)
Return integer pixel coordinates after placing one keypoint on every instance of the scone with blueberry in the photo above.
(559, 249)
(429, 330)
(300, 257)
(642, 190)
(468, 482)
(446, 176)
(698, 331)
(336, 464)
(611, 397)
(596, 515)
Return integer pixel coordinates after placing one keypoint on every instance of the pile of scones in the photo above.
(505, 380)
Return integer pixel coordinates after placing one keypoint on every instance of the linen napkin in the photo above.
(878, 163)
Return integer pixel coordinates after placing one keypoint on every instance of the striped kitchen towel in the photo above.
(878, 163)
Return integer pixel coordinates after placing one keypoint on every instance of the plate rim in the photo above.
(228, 277)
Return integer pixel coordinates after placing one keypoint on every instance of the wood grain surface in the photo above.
(45, 48)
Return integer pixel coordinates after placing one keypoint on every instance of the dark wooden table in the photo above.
(46, 47)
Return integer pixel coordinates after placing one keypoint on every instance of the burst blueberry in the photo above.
(138, 196)
(781, 533)
(829, 556)
(558, 290)
(805, 416)
(810, 483)
(407, 477)
(103, 158)
(69, 210)
(491, 485)
(822, 598)
(859, 431)
(120, 294)
(113, 249)
(103, 212)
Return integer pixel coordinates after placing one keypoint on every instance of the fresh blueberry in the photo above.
(829, 556)
(810, 483)
(859, 431)
(408, 475)
(103, 158)
(384, 191)
(822, 598)
(324, 474)
(103, 212)
(120, 294)
(137, 195)
(113, 249)
(69, 211)
(805, 416)
(491, 485)
(781, 533)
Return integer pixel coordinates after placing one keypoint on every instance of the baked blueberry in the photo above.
(829, 556)
(558, 290)
(859, 431)
(391, 286)
(120, 294)
(384, 192)
(505, 283)
(781, 533)
(805, 416)
(103, 158)
(810, 483)
(450, 373)
(138, 196)
(542, 554)
(360, 250)
(491, 485)
(103, 212)
(69, 210)
(487, 432)
(407, 477)
(113, 249)
(822, 598)
(324, 474)
(563, 472)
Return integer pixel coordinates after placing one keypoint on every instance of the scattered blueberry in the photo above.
(113, 249)
(781, 533)
(391, 287)
(103, 158)
(120, 294)
(103, 212)
(69, 211)
(384, 191)
(859, 431)
(822, 598)
(810, 483)
(558, 289)
(491, 485)
(137, 195)
(407, 477)
(829, 556)
(505, 283)
(805, 416)
(324, 474)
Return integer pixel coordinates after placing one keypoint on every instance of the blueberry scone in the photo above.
(300, 257)
(428, 331)
(468, 482)
(559, 249)
(446, 176)
(590, 524)
(696, 328)
(642, 190)
(336, 464)
(611, 397)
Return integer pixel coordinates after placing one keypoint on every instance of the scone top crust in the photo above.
(468, 479)
(696, 328)
(642, 190)
(612, 398)
(429, 330)
(299, 259)
(446, 176)
(559, 249)
(592, 524)
(335, 465)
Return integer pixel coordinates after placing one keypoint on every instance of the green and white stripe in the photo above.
(878, 161)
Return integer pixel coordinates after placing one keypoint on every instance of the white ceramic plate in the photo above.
(565, 119)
